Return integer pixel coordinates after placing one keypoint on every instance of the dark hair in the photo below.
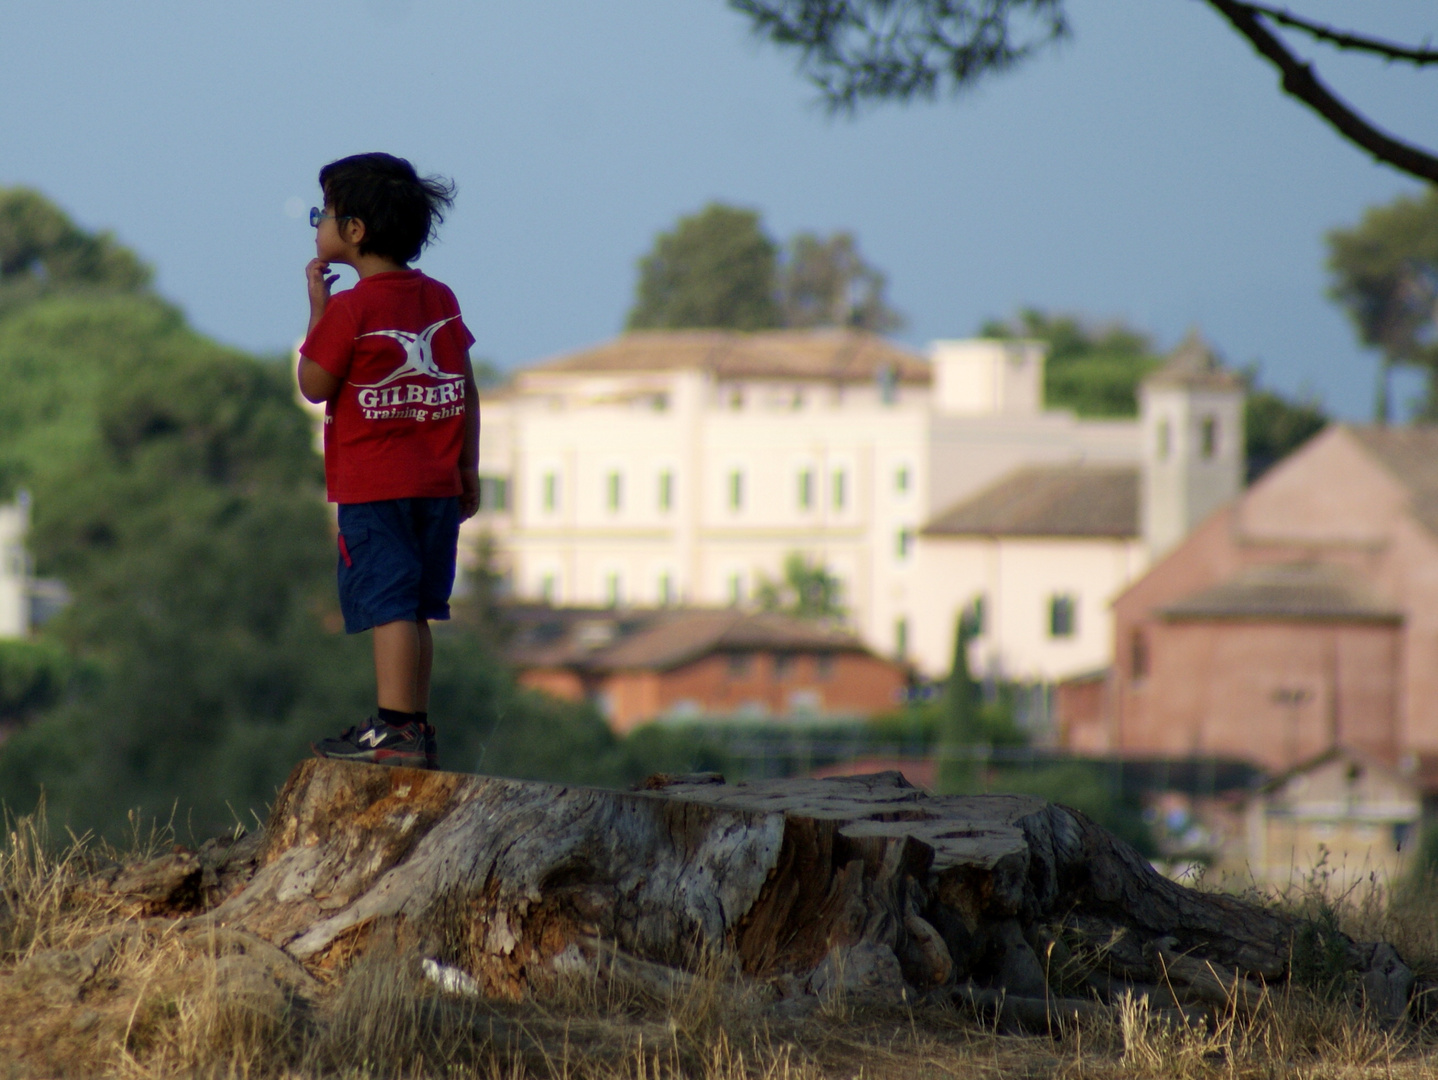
(400, 210)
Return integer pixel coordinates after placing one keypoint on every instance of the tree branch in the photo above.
(1300, 82)
(1386, 49)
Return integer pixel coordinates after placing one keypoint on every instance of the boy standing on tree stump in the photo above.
(390, 360)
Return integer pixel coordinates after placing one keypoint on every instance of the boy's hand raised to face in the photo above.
(320, 280)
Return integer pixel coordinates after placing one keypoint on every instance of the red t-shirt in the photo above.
(395, 427)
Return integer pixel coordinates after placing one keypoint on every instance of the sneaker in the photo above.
(377, 743)
(431, 746)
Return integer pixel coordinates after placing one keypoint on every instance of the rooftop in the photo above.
(1054, 500)
(846, 356)
(1194, 364)
(1410, 456)
(599, 640)
(1307, 590)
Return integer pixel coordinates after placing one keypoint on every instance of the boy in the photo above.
(390, 360)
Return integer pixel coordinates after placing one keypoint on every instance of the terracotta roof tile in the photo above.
(664, 639)
(1057, 500)
(1410, 456)
(838, 355)
(1307, 590)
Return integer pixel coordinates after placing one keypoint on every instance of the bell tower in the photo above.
(1191, 416)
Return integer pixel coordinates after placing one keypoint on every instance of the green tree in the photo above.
(807, 590)
(1384, 271)
(878, 50)
(1274, 427)
(826, 282)
(1093, 370)
(42, 252)
(715, 270)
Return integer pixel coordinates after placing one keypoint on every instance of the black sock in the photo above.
(395, 718)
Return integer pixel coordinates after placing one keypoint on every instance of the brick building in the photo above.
(1302, 615)
(640, 666)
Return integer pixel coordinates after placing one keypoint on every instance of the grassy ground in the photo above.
(90, 987)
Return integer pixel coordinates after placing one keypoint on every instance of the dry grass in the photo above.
(87, 990)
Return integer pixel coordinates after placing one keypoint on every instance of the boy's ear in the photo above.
(354, 231)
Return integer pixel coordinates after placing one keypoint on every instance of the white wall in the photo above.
(1018, 578)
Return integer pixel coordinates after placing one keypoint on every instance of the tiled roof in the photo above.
(1410, 456)
(1308, 590)
(848, 356)
(1055, 500)
(1193, 364)
(664, 639)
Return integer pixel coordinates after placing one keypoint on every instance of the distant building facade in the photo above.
(667, 468)
(1300, 617)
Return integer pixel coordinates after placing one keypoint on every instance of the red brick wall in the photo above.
(856, 684)
(1211, 684)
(558, 682)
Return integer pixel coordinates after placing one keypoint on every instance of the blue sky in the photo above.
(1148, 169)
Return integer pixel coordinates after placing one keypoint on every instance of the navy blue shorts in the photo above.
(396, 560)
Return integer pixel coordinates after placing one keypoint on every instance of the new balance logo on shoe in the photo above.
(371, 736)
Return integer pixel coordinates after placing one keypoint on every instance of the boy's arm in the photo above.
(469, 449)
(316, 384)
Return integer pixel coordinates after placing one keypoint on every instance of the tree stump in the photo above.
(864, 885)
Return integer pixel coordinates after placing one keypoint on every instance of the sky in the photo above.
(1148, 169)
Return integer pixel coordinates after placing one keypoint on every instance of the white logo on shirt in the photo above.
(418, 356)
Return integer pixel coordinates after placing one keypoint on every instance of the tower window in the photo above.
(841, 489)
(666, 589)
(1164, 438)
(666, 490)
(613, 591)
(614, 491)
(901, 479)
(806, 489)
(550, 493)
(1208, 437)
(904, 543)
(901, 638)
(736, 490)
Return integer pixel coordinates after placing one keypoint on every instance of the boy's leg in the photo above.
(398, 650)
(424, 666)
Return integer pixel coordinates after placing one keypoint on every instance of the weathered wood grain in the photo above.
(862, 884)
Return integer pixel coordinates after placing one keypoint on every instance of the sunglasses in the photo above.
(317, 215)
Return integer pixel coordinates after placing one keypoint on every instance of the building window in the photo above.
(904, 543)
(978, 614)
(1208, 437)
(901, 638)
(666, 490)
(547, 590)
(824, 666)
(901, 479)
(666, 589)
(736, 589)
(493, 493)
(783, 666)
(1138, 655)
(614, 491)
(1063, 612)
(613, 592)
(736, 490)
(1163, 439)
(550, 494)
(841, 489)
(738, 665)
(806, 489)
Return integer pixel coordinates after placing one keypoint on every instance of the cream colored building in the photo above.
(669, 467)
(15, 573)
